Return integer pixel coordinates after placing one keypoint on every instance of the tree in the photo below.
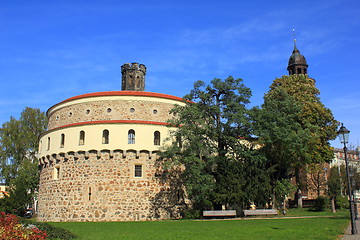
(294, 126)
(334, 186)
(217, 166)
(18, 150)
(316, 178)
(313, 116)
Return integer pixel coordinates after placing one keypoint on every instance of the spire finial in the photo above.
(294, 39)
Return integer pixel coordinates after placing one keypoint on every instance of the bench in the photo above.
(219, 213)
(260, 212)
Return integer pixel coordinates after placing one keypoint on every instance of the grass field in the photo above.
(321, 227)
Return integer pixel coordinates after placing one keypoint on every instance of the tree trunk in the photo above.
(333, 209)
(298, 192)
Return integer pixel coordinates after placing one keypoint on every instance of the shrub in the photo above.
(321, 203)
(192, 214)
(11, 228)
(52, 231)
(342, 202)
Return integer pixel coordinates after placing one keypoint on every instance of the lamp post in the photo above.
(343, 134)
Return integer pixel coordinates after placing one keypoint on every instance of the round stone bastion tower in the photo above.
(98, 159)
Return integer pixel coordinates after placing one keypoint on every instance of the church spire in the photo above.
(297, 63)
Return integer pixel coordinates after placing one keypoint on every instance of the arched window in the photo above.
(105, 137)
(62, 141)
(299, 71)
(48, 144)
(131, 136)
(82, 138)
(157, 138)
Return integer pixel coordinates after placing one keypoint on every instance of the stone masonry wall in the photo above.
(100, 186)
(110, 110)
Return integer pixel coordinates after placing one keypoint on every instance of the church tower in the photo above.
(133, 77)
(297, 63)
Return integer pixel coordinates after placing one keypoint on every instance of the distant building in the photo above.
(352, 157)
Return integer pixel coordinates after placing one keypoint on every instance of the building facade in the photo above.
(98, 159)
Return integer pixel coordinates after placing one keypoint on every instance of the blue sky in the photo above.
(53, 50)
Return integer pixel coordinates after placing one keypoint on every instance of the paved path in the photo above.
(348, 235)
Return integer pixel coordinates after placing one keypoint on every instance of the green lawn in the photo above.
(274, 228)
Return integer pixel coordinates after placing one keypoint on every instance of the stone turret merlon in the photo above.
(133, 77)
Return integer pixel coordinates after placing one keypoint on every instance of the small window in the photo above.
(82, 138)
(131, 136)
(70, 114)
(108, 110)
(87, 111)
(157, 138)
(138, 171)
(155, 111)
(56, 173)
(105, 137)
(62, 141)
(132, 110)
(48, 144)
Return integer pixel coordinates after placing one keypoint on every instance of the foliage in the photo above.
(314, 115)
(342, 202)
(334, 183)
(192, 214)
(354, 178)
(294, 127)
(321, 203)
(284, 228)
(219, 169)
(52, 232)
(280, 133)
(10, 228)
(282, 189)
(18, 161)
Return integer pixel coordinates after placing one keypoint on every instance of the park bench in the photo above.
(260, 212)
(219, 213)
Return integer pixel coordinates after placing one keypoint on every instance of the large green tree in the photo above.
(219, 167)
(294, 126)
(18, 156)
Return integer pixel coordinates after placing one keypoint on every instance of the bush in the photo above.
(342, 202)
(52, 232)
(192, 214)
(11, 228)
(321, 203)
